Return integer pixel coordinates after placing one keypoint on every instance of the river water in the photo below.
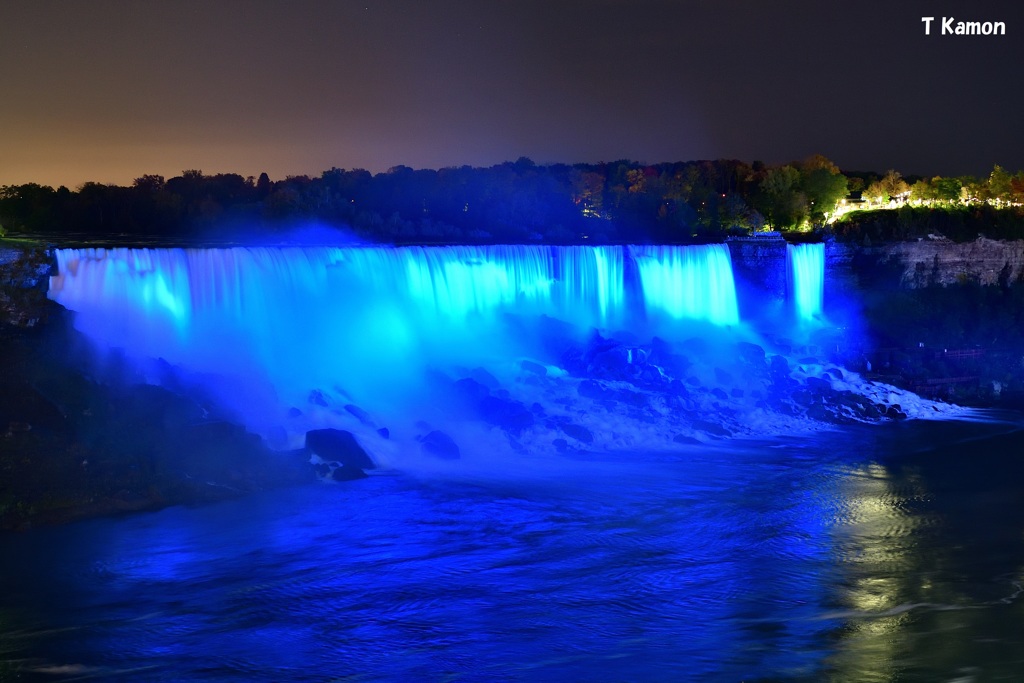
(883, 553)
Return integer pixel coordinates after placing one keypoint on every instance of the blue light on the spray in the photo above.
(369, 319)
(159, 281)
(161, 295)
(691, 282)
(807, 279)
(115, 289)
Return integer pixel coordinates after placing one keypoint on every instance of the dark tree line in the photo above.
(514, 201)
(621, 201)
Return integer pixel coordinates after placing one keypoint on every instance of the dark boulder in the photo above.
(894, 412)
(578, 432)
(835, 373)
(572, 359)
(653, 375)
(805, 397)
(470, 389)
(360, 414)
(822, 413)
(819, 386)
(340, 445)
(751, 353)
(630, 397)
(505, 413)
(677, 388)
(661, 353)
(347, 473)
(779, 370)
(610, 364)
(439, 444)
(711, 428)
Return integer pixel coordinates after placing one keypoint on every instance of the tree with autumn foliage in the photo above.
(823, 185)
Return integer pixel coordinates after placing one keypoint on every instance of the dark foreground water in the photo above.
(894, 553)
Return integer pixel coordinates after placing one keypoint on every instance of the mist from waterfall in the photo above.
(370, 323)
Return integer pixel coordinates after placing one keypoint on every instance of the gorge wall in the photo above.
(932, 261)
(760, 265)
(24, 276)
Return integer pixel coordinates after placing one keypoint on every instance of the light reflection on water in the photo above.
(860, 555)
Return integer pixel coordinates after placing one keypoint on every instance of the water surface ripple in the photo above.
(878, 554)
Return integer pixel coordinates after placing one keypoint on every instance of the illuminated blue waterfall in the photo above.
(173, 288)
(806, 266)
(593, 280)
(688, 282)
(368, 320)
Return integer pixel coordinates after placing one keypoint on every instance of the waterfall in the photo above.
(806, 276)
(688, 282)
(370, 319)
(252, 286)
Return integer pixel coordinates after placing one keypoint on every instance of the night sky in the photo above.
(109, 91)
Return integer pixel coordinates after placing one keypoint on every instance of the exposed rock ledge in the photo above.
(24, 277)
(938, 261)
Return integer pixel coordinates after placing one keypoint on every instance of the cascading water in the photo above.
(154, 296)
(366, 322)
(292, 339)
(806, 274)
(688, 282)
(593, 277)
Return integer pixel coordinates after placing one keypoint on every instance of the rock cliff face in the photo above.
(24, 278)
(934, 261)
(760, 266)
